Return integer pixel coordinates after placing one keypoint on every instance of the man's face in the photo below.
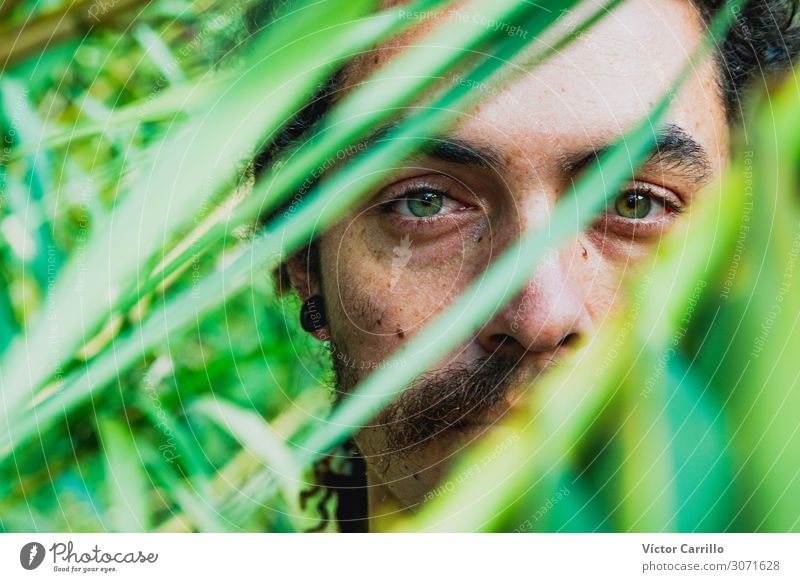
(438, 221)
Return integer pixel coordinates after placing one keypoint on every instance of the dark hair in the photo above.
(764, 40)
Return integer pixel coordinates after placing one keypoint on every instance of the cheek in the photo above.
(355, 290)
(381, 290)
(613, 262)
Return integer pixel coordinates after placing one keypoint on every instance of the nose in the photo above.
(548, 315)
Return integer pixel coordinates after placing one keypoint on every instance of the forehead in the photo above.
(597, 88)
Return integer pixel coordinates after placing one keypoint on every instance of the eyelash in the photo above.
(390, 206)
(656, 194)
(671, 203)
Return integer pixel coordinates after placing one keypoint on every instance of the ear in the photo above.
(301, 277)
(301, 271)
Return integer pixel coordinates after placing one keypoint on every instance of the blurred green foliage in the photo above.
(689, 426)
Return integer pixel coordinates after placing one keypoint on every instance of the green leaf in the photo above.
(126, 481)
(255, 435)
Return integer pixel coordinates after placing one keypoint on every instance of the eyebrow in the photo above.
(457, 151)
(447, 149)
(675, 151)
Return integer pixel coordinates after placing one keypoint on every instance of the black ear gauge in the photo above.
(312, 314)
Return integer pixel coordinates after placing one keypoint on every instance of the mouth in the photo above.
(467, 398)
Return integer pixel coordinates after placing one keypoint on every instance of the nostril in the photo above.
(500, 339)
(510, 345)
(568, 340)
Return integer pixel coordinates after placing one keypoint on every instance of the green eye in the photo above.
(634, 206)
(425, 204)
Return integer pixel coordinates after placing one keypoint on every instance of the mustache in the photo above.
(454, 397)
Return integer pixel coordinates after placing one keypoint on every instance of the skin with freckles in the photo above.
(438, 221)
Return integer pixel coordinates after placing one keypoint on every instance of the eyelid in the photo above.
(675, 200)
(661, 194)
(450, 188)
(447, 203)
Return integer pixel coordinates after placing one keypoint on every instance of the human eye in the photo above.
(642, 208)
(432, 205)
(424, 203)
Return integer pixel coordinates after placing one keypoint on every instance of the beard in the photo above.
(456, 397)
